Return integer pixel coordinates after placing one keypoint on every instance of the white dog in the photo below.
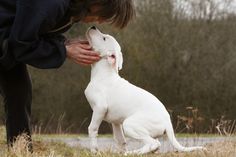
(131, 110)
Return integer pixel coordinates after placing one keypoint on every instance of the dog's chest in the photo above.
(105, 93)
(96, 92)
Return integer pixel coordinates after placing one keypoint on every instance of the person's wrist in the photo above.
(68, 51)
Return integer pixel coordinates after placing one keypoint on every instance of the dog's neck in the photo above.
(102, 70)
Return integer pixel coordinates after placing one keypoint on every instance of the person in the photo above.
(31, 34)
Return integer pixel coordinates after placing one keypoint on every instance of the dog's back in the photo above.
(124, 99)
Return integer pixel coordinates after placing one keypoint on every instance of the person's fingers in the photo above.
(83, 42)
(84, 46)
(83, 62)
(90, 53)
(81, 55)
(87, 57)
(79, 45)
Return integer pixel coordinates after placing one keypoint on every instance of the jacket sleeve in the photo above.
(27, 44)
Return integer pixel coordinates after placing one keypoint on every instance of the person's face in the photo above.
(92, 17)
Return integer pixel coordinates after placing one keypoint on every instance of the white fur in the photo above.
(131, 110)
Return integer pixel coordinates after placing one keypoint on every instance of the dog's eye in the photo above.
(104, 38)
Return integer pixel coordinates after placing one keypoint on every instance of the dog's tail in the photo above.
(175, 143)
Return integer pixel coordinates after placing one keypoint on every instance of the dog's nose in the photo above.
(93, 27)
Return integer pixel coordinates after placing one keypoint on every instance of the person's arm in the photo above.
(26, 44)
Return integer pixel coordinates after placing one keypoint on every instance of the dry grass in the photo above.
(55, 149)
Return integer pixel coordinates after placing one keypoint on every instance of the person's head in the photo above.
(116, 12)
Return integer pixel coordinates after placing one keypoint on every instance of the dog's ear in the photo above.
(116, 61)
(112, 60)
(119, 61)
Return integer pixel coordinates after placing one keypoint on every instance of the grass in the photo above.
(57, 149)
(179, 135)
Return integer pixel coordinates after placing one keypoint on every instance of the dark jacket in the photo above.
(25, 37)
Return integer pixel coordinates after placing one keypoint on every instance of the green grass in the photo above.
(57, 149)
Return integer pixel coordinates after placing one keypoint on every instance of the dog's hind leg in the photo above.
(119, 136)
(137, 131)
(150, 145)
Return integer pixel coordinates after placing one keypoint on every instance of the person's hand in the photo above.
(81, 52)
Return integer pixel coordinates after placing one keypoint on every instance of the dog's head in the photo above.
(107, 46)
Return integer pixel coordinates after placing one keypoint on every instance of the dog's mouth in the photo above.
(90, 41)
(88, 35)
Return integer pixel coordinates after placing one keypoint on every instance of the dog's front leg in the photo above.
(97, 117)
(119, 136)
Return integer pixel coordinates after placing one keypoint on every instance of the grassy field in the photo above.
(55, 149)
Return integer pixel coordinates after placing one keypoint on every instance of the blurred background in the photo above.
(182, 51)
